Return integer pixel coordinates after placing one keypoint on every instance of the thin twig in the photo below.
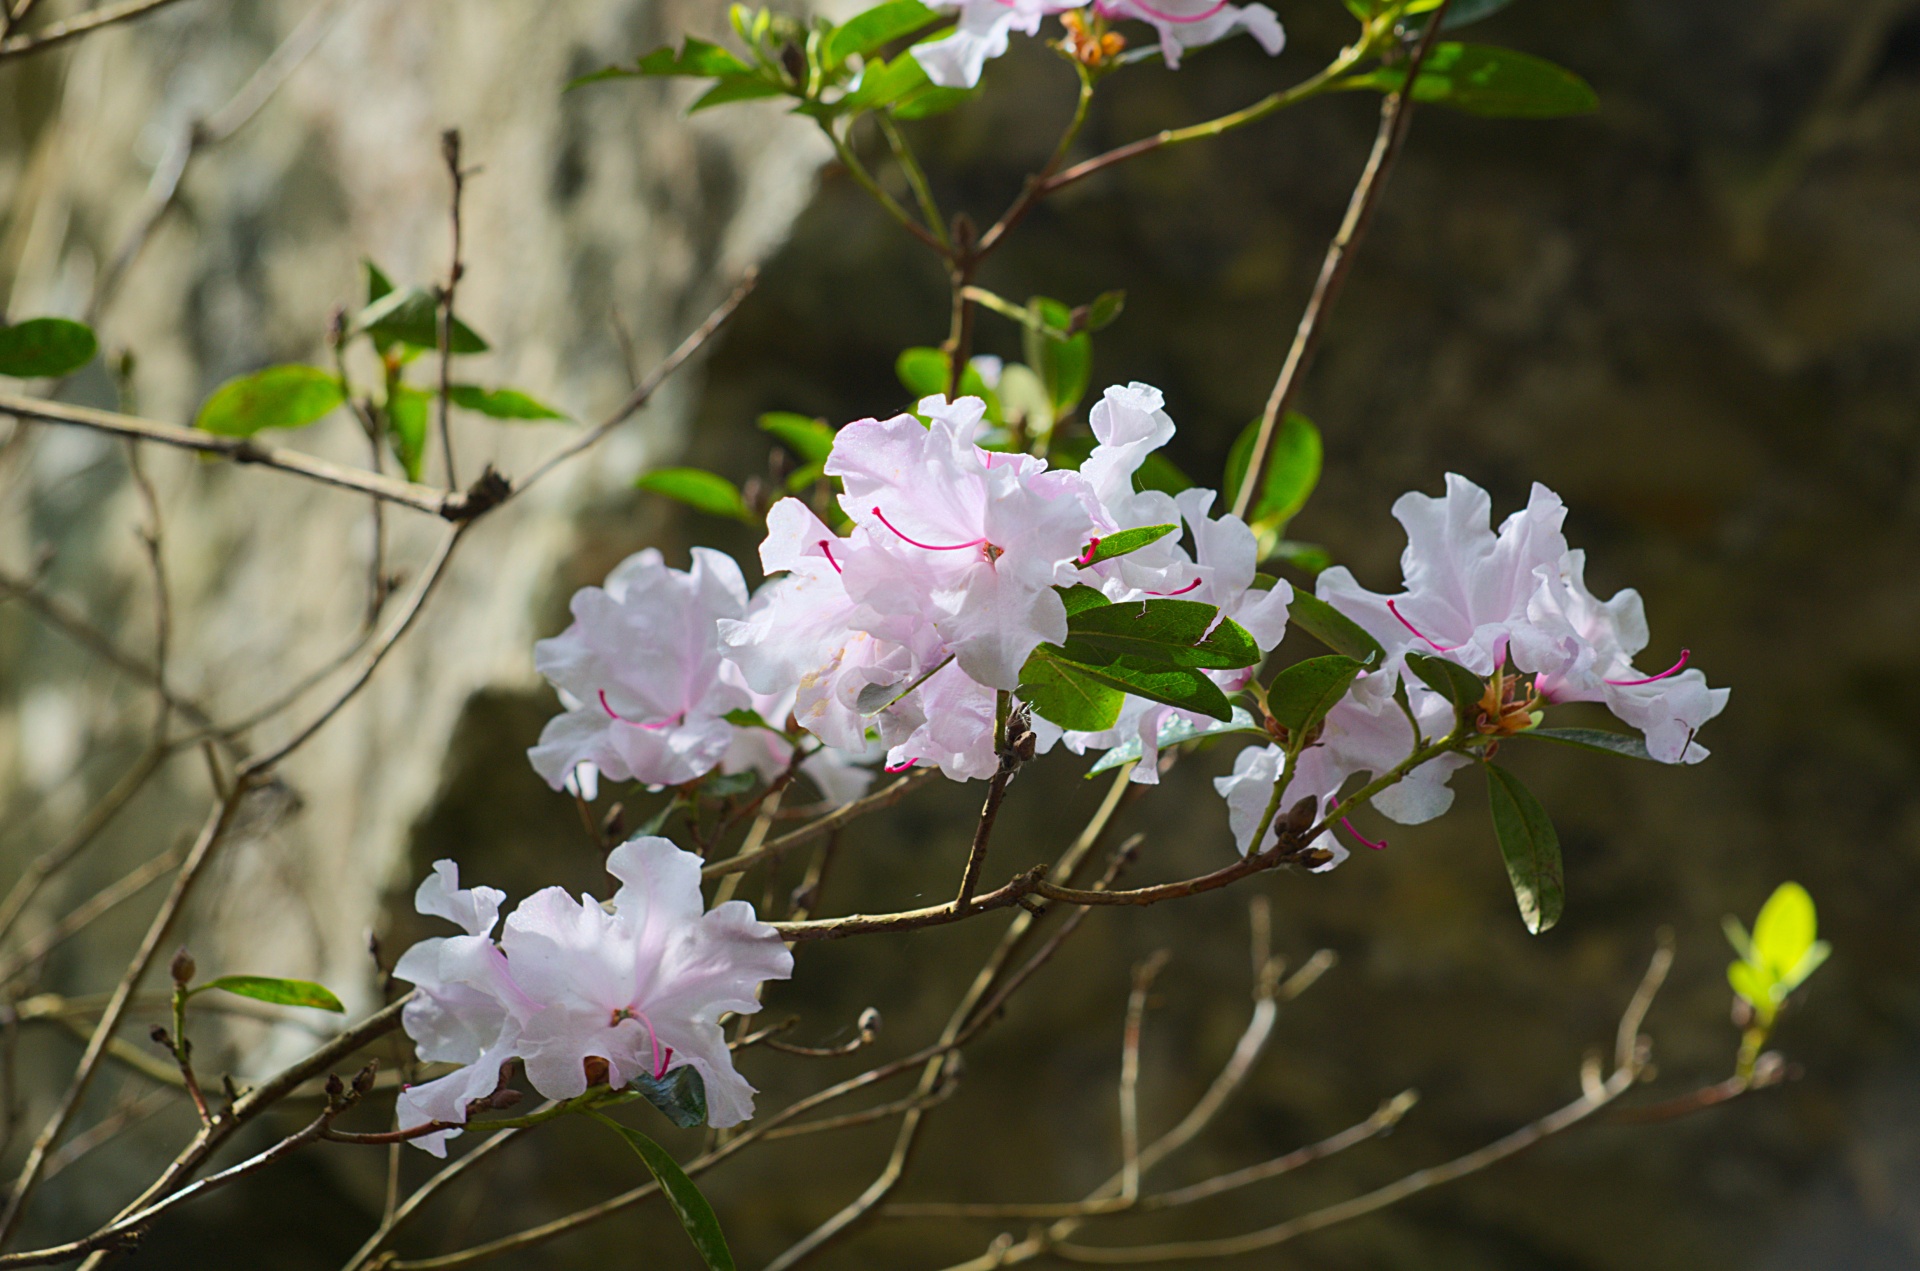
(125, 888)
(450, 151)
(73, 28)
(885, 797)
(50, 862)
(1396, 116)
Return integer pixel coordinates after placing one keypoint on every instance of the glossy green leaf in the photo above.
(923, 372)
(1483, 80)
(42, 348)
(408, 410)
(1753, 986)
(500, 403)
(696, 57)
(929, 100)
(681, 1095)
(1121, 542)
(1174, 730)
(1080, 597)
(1310, 558)
(736, 88)
(1064, 366)
(1067, 693)
(1530, 846)
(882, 83)
(708, 492)
(1301, 695)
(688, 1205)
(811, 439)
(1334, 629)
(743, 717)
(412, 316)
(1461, 12)
(262, 988)
(1607, 743)
(1171, 633)
(278, 397)
(882, 24)
(1451, 680)
(378, 284)
(1293, 470)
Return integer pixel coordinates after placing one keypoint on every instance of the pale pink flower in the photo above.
(967, 541)
(1249, 789)
(1189, 24)
(956, 60)
(642, 674)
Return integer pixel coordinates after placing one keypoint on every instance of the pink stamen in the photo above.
(652, 728)
(1437, 648)
(666, 1063)
(1381, 846)
(1086, 557)
(1183, 591)
(901, 767)
(830, 560)
(1675, 669)
(932, 547)
(1110, 11)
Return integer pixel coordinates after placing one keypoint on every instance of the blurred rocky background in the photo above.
(1695, 314)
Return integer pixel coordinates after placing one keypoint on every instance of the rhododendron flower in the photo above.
(956, 60)
(1189, 24)
(967, 541)
(639, 984)
(642, 674)
(1519, 597)
(1249, 789)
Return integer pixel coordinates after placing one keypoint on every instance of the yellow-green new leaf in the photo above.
(265, 988)
(278, 397)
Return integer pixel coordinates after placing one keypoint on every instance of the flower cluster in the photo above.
(957, 59)
(638, 984)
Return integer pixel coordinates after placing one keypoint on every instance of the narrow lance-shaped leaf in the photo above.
(262, 988)
(1451, 680)
(1530, 846)
(736, 88)
(42, 348)
(688, 1205)
(811, 439)
(865, 32)
(1598, 739)
(709, 492)
(412, 316)
(1121, 542)
(1483, 80)
(1181, 633)
(407, 412)
(696, 57)
(501, 403)
(1293, 469)
(278, 397)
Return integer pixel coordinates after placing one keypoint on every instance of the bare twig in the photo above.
(73, 28)
(126, 887)
(450, 151)
(884, 797)
(1396, 116)
(50, 862)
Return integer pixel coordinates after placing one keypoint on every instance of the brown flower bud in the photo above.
(182, 967)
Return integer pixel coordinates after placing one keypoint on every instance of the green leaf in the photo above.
(1451, 680)
(1785, 930)
(1607, 743)
(407, 411)
(278, 397)
(1301, 695)
(1752, 984)
(1068, 694)
(744, 717)
(811, 439)
(1157, 472)
(42, 348)
(882, 83)
(1293, 470)
(1105, 309)
(1080, 597)
(412, 316)
(378, 284)
(1172, 633)
(263, 988)
(882, 24)
(1310, 558)
(1174, 730)
(696, 57)
(501, 403)
(923, 372)
(1334, 629)
(1177, 686)
(1064, 366)
(1530, 847)
(803, 478)
(1483, 80)
(681, 1095)
(737, 88)
(688, 1205)
(929, 100)
(1463, 12)
(1737, 937)
(709, 492)
(1121, 542)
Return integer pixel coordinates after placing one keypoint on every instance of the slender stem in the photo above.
(833, 820)
(72, 28)
(858, 171)
(1042, 182)
(1396, 116)
(916, 177)
(450, 150)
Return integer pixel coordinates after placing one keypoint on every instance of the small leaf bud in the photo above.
(182, 967)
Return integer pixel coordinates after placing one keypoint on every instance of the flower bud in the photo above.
(182, 967)
(869, 1026)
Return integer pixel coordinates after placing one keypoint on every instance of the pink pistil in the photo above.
(1437, 648)
(652, 728)
(1183, 591)
(932, 547)
(1675, 669)
(1109, 11)
(902, 766)
(1381, 846)
(1086, 557)
(824, 547)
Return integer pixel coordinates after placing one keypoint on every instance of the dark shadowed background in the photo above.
(1696, 315)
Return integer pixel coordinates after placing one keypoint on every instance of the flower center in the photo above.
(1508, 705)
(1437, 648)
(826, 546)
(992, 552)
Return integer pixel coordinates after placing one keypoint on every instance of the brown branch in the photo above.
(1396, 116)
(846, 812)
(450, 151)
(73, 28)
